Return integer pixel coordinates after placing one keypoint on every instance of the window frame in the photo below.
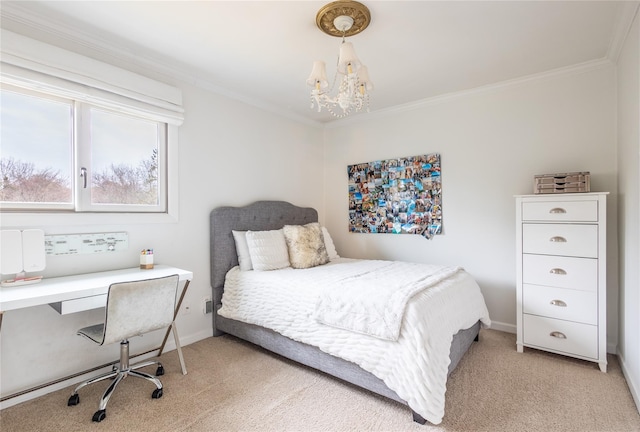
(82, 158)
(81, 150)
(32, 64)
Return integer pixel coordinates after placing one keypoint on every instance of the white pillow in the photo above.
(328, 244)
(268, 249)
(242, 248)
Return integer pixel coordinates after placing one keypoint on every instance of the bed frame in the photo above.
(271, 215)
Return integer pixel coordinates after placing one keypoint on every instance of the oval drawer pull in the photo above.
(558, 271)
(557, 334)
(557, 210)
(559, 303)
(558, 239)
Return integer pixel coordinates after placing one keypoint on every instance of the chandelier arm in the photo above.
(333, 82)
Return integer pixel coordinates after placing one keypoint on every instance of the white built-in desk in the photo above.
(70, 294)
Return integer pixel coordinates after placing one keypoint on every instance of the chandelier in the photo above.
(342, 19)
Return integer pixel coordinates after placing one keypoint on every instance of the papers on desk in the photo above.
(20, 282)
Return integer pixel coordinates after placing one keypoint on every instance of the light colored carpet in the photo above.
(234, 386)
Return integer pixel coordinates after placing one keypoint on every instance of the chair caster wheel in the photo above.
(157, 393)
(160, 371)
(73, 400)
(99, 416)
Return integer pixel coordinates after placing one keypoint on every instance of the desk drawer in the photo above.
(80, 304)
(560, 303)
(560, 271)
(560, 211)
(579, 339)
(560, 239)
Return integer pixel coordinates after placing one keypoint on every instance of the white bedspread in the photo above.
(415, 366)
(372, 299)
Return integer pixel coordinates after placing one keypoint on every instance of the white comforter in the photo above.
(373, 298)
(415, 366)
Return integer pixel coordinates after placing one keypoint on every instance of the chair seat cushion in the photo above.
(93, 332)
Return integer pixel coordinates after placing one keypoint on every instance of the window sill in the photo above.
(40, 219)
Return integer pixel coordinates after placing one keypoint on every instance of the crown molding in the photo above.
(626, 15)
(490, 88)
(19, 19)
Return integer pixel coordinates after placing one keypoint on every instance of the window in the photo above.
(79, 135)
(114, 162)
(123, 168)
(36, 150)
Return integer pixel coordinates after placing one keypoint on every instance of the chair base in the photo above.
(118, 374)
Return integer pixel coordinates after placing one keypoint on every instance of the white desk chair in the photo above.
(133, 308)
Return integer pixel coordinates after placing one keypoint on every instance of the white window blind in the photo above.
(36, 65)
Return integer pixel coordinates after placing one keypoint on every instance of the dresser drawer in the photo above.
(560, 271)
(560, 303)
(560, 239)
(560, 211)
(570, 337)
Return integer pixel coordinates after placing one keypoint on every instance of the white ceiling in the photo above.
(262, 51)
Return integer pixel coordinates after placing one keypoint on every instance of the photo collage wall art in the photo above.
(397, 196)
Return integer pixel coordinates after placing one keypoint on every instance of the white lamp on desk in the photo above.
(21, 252)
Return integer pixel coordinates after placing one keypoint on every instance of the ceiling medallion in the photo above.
(357, 11)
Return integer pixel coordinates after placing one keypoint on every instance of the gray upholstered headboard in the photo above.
(259, 216)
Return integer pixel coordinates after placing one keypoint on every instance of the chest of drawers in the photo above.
(561, 274)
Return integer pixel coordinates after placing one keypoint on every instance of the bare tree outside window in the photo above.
(22, 182)
(126, 184)
(119, 184)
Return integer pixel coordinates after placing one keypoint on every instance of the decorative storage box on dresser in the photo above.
(561, 274)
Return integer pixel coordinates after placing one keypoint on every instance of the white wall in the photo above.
(629, 215)
(230, 154)
(492, 143)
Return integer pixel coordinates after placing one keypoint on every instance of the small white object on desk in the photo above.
(22, 252)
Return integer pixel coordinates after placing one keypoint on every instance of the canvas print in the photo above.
(397, 196)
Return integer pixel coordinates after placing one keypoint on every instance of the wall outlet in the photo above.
(208, 306)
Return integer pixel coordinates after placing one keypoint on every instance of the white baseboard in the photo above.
(170, 346)
(504, 327)
(632, 382)
(192, 338)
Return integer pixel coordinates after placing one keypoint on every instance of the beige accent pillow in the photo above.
(306, 245)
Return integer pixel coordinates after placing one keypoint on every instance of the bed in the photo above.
(273, 215)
